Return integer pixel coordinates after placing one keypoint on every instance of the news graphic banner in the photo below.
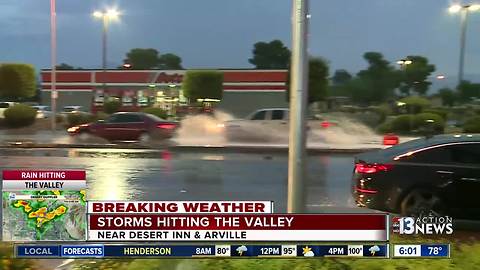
(208, 251)
(44, 205)
(225, 221)
(180, 207)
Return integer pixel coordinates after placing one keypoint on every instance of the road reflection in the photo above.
(113, 179)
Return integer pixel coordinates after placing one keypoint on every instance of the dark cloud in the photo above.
(220, 33)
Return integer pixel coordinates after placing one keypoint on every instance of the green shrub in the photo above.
(112, 106)
(408, 123)
(415, 104)
(385, 127)
(403, 123)
(75, 119)
(156, 111)
(422, 124)
(443, 113)
(20, 115)
(472, 125)
(383, 111)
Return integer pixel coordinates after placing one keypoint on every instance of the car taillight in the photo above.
(372, 168)
(325, 124)
(166, 126)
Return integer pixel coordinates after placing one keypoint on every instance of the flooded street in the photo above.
(162, 175)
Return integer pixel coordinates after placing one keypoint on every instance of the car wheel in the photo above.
(422, 202)
(144, 138)
(83, 136)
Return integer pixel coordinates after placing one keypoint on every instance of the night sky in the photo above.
(221, 33)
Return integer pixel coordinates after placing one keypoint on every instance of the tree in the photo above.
(271, 55)
(142, 58)
(203, 84)
(64, 66)
(415, 75)
(415, 104)
(317, 80)
(448, 96)
(17, 81)
(341, 77)
(467, 91)
(375, 84)
(170, 61)
(112, 106)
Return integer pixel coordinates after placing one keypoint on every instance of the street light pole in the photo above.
(105, 16)
(53, 55)
(464, 12)
(298, 104)
(403, 66)
(104, 42)
(463, 37)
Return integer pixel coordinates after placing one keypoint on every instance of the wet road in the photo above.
(157, 175)
(160, 175)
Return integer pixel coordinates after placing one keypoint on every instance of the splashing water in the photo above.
(209, 130)
(346, 131)
(203, 129)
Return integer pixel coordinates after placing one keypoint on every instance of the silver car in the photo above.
(43, 112)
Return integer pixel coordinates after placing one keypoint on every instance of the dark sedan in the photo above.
(128, 126)
(438, 175)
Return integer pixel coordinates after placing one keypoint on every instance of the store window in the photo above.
(127, 98)
(99, 98)
(142, 99)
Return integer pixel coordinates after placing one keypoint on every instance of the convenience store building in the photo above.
(244, 90)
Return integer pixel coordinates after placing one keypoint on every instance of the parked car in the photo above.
(72, 109)
(128, 126)
(43, 111)
(4, 106)
(438, 175)
(266, 124)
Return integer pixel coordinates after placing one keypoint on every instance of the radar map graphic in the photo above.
(44, 215)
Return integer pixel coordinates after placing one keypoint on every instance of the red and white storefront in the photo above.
(244, 90)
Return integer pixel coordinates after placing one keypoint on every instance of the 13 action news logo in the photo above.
(423, 225)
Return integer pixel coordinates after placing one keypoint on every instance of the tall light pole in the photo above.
(298, 107)
(106, 17)
(464, 10)
(53, 55)
(403, 63)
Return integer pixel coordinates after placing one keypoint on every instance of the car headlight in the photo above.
(73, 129)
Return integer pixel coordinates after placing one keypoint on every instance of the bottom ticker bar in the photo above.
(234, 251)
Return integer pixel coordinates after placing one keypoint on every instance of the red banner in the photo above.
(43, 175)
(238, 222)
